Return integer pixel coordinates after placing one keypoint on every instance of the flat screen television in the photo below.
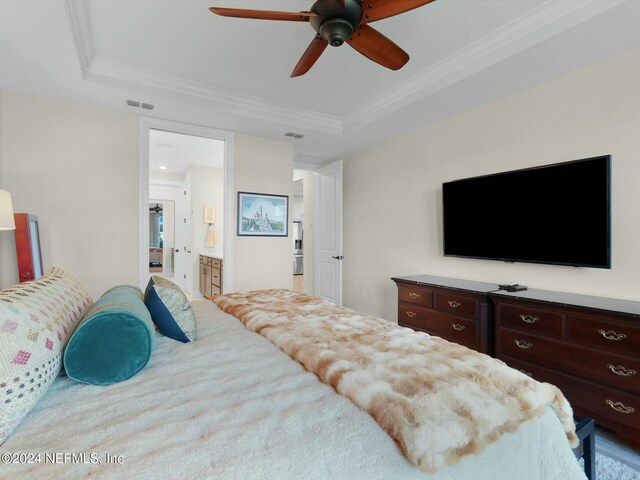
(555, 214)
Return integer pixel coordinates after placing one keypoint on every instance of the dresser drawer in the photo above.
(616, 337)
(617, 371)
(456, 304)
(215, 263)
(526, 347)
(531, 319)
(586, 397)
(418, 295)
(446, 326)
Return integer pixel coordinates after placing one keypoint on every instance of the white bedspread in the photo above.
(233, 406)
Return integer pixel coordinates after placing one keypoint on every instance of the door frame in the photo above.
(146, 125)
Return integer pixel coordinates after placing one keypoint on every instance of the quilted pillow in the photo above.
(114, 340)
(36, 320)
(170, 310)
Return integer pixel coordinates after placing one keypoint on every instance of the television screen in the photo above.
(555, 214)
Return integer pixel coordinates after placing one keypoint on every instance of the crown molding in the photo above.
(545, 21)
(80, 21)
(110, 72)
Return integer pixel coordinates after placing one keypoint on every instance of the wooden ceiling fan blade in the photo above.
(374, 10)
(375, 46)
(263, 14)
(310, 56)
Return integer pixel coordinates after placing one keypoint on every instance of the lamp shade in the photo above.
(6, 211)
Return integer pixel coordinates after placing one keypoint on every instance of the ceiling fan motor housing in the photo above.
(334, 23)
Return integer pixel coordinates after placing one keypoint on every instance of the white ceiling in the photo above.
(233, 74)
(178, 153)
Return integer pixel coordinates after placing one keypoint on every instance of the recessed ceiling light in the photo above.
(162, 167)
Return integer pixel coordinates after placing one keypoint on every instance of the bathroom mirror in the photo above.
(161, 237)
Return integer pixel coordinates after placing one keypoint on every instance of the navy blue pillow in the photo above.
(170, 310)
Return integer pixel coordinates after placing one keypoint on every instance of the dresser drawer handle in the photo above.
(457, 327)
(411, 314)
(620, 370)
(528, 318)
(454, 304)
(620, 407)
(529, 374)
(613, 336)
(414, 295)
(522, 344)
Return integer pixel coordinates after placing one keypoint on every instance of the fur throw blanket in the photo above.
(438, 400)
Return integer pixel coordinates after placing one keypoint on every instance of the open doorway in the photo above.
(297, 214)
(184, 180)
(302, 214)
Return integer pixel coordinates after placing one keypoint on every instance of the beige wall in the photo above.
(392, 206)
(263, 166)
(76, 167)
(207, 188)
(308, 214)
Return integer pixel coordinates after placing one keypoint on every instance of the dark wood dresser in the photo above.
(456, 310)
(589, 347)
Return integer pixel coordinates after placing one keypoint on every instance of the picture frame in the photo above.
(263, 215)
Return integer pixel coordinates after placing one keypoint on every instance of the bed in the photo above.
(233, 406)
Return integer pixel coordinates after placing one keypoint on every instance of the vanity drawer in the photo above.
(215, 290)
(616, 337)
(215, 277)
(418, 295)
(456, 304)
(446, 326)
(531, 319)
(215, 263)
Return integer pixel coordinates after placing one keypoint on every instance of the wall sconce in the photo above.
(210, 219)
(7, 221)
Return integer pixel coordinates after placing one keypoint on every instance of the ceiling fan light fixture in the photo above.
(335, 31)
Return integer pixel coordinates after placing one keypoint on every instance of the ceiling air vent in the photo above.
(294, 135)
(137, 104)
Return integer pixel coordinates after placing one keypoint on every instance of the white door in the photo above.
(328, 233)
(188, 257)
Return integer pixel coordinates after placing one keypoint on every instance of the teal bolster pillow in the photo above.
(114, 341)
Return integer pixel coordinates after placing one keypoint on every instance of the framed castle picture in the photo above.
(263, 215)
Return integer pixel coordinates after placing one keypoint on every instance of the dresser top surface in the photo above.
(444, 282)
(610, 305)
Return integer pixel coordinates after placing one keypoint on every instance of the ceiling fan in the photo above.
(339, 21)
